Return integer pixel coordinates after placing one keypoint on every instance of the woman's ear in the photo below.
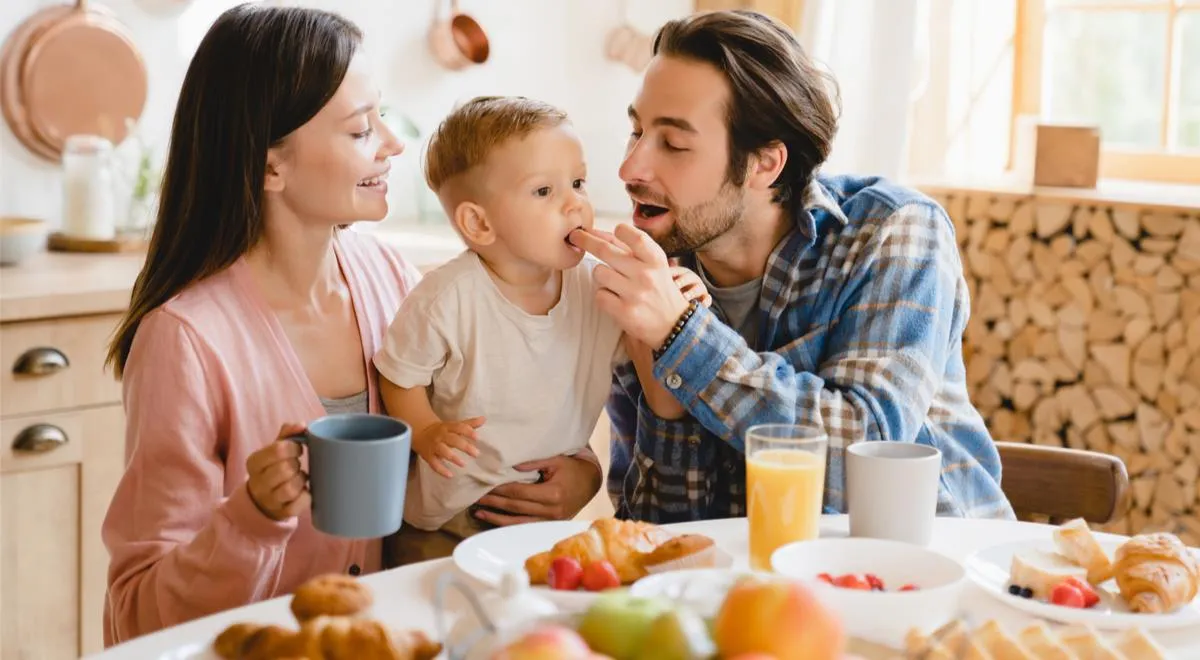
(274, 180)
(766, 165)
(472, 222)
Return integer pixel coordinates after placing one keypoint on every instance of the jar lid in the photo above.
(87, 144)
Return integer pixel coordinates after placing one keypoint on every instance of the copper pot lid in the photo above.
(83, 75)
(11, 57)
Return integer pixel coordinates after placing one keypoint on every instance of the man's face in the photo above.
(676, 162)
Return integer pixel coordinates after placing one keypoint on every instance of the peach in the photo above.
(550, 642)
(779, 618)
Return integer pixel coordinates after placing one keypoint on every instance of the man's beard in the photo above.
(697, 226)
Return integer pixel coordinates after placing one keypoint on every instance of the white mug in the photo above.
(891, 490)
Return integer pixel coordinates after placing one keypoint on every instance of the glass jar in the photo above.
(88, 188)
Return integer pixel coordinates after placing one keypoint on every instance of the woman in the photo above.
(255, 310)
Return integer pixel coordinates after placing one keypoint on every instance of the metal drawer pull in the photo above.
(40, 438)
(40, 362)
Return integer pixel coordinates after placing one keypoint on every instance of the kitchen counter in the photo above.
(62, 284)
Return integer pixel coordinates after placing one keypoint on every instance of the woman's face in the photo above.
(333, 169)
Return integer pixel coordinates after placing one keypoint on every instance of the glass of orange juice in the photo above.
(785, 487)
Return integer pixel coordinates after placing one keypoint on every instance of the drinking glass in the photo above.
(785, 487)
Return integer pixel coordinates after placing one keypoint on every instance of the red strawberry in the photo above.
(825, 577)
(875, 582)
(565, 574)
(600, 575)
(909, 587)
(1066, 595)
(1090, 597)
(851, 581)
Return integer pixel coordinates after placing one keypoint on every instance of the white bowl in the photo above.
(19, 238)
(880, 616)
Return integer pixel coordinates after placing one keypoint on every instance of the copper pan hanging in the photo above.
(79, 73)
(11, 57)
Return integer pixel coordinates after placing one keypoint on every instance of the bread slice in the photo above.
(1134, 643)
(1075, 541)
(1041, 571)
(1043, 644)
(1082, 640)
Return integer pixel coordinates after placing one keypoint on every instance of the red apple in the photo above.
(777, 617)
(549, 642)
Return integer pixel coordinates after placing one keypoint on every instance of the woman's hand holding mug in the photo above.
(276, 483)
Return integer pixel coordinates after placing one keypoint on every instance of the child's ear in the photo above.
(472, 222)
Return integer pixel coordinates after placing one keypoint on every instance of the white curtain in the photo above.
(878, 52)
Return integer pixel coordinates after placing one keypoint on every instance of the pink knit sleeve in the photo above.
(180, 549)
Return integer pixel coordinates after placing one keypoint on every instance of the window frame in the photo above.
(1161, 165)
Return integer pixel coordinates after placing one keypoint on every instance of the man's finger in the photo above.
(504, 520)
(643, 248)
(619, 258)
(516, 506)
(608, 279)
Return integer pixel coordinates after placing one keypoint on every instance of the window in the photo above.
(1132, 67)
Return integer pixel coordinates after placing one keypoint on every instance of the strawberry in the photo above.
(565, 574)
(1067, 595)
(875, 583)
(600, 575)
(1090, 597)
(909, 587)
(851, 581)
(825, 577)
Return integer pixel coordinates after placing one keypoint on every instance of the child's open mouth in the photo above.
(567, 240)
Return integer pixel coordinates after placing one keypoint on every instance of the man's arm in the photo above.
(898, 318)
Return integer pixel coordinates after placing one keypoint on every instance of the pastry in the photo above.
(1156, 573)
(991, 641)
(345, 638)
(1041, 571)
(624, 543)
(330, 595)
(270, 643)
(229, 643)
(1075, 541)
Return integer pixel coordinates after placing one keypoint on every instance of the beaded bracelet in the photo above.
(683, 319)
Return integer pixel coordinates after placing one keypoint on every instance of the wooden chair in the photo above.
(1062, 483)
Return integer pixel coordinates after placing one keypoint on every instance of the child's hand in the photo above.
(437, 443)
(690, 285)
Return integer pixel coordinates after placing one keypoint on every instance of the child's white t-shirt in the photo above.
(541, 382)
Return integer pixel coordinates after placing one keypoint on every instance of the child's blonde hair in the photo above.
(471, 131)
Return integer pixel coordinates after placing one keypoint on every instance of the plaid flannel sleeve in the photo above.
(870, 373)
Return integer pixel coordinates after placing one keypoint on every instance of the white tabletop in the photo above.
(404, 596)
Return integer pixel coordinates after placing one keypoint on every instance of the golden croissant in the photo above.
(1156, 573)
(630, 546)
(325, 638)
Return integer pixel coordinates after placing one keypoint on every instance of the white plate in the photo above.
(702, 589)
(487, 556)
(989, 569)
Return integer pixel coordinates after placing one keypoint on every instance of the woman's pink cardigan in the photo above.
(210, 378)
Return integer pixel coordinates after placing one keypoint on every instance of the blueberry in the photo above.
(1014, 590)
(1027, 593)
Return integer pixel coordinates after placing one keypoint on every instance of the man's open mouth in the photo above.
(649, 210)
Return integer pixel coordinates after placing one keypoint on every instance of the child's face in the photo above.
(537, 196)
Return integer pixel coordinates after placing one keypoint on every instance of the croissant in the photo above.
(1156, 573)
(324, 638)
(630, 546)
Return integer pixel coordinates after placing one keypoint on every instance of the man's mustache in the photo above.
(644, 194)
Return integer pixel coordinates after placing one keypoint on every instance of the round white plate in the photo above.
(703, 589)
(989, 569)
(487, 556)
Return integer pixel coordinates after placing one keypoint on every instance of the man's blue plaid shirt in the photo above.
(863, 308)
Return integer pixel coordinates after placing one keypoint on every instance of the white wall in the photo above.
(551, 49)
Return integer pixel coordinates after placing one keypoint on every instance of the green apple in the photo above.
(616, 623)
(679, 634)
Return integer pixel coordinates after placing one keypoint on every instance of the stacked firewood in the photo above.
(1085, 332)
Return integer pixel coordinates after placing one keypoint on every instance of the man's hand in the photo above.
(638, 286)
(569, 484)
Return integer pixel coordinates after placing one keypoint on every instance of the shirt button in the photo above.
(354, 569)
(674, 381)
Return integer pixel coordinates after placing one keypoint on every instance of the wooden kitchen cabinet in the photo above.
(62, 427)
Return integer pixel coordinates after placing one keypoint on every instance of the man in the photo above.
(839, 303)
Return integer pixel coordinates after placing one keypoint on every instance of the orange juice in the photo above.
(784, 492)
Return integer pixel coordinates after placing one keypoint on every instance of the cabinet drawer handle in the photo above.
(40, 361)
(39, 439)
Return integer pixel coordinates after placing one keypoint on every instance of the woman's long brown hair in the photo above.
(259, 74)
